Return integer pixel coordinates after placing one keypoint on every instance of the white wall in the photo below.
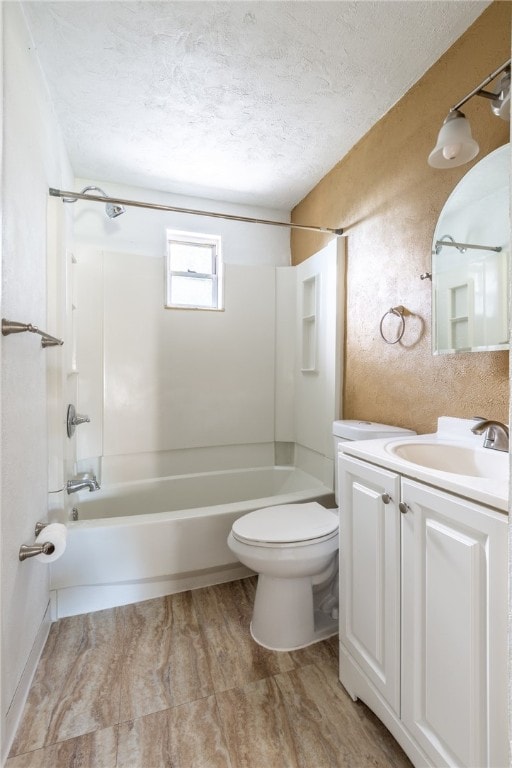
(153, 379)
(34, 159)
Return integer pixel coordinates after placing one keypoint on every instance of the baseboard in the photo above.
(71, 601)
(15, 711)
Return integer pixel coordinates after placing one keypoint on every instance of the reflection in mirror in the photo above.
(470, 253)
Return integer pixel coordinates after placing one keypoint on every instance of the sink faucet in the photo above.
(496, 434)
(86, 480)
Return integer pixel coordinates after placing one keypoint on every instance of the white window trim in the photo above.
(199, 239)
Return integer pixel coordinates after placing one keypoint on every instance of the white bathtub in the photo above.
(135, 541)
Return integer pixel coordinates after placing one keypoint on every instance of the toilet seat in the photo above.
(293, 525)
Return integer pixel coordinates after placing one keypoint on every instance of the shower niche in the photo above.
(309, 324)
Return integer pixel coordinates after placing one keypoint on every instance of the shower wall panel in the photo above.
(179, 379)
(155, 379)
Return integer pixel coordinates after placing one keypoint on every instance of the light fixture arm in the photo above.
(479, 90)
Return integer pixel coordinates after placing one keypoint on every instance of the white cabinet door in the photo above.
(370, 573)
(454, 634)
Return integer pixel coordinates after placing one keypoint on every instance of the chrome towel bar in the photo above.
(11, 326)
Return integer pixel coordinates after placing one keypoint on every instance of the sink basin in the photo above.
(456, 459)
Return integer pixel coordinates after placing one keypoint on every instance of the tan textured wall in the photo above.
(388, 198)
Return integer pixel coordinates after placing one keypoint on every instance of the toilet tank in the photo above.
(355, 429)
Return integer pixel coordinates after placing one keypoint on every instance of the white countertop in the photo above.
(451, 431)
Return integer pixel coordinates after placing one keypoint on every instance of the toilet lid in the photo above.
(286, 524)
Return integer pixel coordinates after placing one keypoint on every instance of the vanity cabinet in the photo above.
(423, 615)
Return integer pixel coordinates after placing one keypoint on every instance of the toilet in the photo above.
(294, 550)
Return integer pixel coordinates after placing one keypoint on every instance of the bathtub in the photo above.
(139, 540)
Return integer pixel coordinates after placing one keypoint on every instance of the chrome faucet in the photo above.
(496, 434)
(85, 480)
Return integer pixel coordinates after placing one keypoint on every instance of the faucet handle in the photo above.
(73, 419)
(80, 419)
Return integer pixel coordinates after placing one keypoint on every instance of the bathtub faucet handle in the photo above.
(73, 419)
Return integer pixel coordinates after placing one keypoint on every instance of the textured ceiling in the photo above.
(249, 102)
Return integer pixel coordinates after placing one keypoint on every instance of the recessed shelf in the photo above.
(309, 324)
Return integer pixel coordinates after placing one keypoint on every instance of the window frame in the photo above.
(180, 237)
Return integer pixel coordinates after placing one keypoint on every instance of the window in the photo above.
(193, 271)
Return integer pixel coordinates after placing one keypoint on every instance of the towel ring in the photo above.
(398, 312)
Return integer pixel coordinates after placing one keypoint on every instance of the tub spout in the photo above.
(80, 482)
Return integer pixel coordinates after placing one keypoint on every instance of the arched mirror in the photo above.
(470, 255)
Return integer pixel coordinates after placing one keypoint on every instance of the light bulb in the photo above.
(450, 151)
(455, 144)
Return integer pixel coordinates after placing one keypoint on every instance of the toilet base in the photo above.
(327, 628)
(284, 616)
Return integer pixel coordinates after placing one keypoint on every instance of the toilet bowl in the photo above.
(294, 549)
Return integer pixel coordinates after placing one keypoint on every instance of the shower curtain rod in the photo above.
(157, 207)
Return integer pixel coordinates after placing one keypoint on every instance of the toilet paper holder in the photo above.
(31, 550)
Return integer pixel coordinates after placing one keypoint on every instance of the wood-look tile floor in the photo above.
(178, 682)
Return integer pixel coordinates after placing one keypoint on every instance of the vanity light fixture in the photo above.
(455, 144)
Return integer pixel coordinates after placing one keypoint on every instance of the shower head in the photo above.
(112, 209)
